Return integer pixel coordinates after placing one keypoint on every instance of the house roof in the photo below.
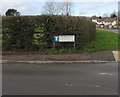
(100, 20)
(94, 18)
(104, 19)
(110, 20)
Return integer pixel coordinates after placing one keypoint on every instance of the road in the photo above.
(60, 79)
(112, 30)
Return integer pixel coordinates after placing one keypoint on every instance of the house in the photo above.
(119, 22)
(105, 22)
(94, 19)
(111, 23)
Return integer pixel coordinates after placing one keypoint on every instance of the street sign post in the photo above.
(64, 38)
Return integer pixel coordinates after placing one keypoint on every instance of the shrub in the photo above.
(19, 31)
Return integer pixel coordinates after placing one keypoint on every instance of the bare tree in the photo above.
(106, 15)
(51, 8)
(66, 7)
(56, 8)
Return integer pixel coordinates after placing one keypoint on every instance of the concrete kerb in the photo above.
(54, 62)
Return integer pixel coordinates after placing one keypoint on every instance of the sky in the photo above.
(91, 8)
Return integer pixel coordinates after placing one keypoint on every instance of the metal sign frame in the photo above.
(58, 38)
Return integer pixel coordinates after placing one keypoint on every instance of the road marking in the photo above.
(66, 84)
(116, 55)
(106, 73)
(97, 86)
(70, 85)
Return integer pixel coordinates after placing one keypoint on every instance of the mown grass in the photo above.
(105, 40)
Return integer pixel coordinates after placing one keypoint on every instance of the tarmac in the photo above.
(96, 57)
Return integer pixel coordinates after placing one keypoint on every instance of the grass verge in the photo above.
(105, 40)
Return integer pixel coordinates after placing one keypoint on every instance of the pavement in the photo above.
(96, 57)
(103, 56)
(60, 79)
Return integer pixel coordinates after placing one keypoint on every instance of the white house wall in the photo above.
(114, 23)
(110, 24)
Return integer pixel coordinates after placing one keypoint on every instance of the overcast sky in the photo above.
(80, 8)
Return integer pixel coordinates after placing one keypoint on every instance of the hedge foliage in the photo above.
(22, 32)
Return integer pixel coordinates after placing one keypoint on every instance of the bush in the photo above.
(19, 31)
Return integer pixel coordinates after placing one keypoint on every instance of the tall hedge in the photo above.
(18, 31)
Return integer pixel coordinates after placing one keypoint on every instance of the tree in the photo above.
(100, 17)
(51, 8)
(55, 8)
(113, 15)
(106, 15)
(66, 7)
(12, 12)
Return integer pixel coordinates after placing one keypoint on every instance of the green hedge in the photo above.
(19, 31)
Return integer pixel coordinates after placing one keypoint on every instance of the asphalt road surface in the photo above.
(60, 79)
(112, 30)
